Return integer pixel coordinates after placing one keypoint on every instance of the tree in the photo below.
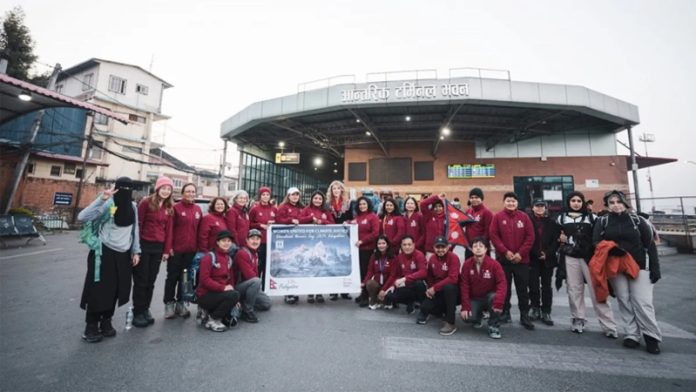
(17, 47)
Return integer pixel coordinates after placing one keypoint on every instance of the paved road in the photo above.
(330, 347)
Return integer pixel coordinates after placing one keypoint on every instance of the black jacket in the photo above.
(548, 242)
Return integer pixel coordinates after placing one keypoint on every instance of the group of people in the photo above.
(405, 258)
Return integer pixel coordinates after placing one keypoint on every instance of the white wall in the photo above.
(133, 76)
(561, 145)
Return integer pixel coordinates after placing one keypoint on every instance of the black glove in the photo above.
(616, 251)
(655, 275)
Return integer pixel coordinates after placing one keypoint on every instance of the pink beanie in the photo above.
(162, 181)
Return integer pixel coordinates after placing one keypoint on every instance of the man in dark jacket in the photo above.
(542, 261)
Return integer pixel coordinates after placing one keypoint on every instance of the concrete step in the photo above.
(664, 250)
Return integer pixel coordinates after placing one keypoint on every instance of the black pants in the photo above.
(445, 301)
(479, 305)
(262, 264)
(175, 266)
(520, 273)
(145, 275)
(95, 317)
(364, 262)
(220, 304)
(540, 274)
(409, 294)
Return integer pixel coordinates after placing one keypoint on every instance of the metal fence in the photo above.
(674, 218)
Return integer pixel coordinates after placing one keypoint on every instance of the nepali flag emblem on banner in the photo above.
(455, 222)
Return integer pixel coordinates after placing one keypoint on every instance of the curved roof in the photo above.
(331, 118)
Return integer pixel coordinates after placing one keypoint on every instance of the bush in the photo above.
(21, 211)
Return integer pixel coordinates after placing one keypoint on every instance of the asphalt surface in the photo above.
(331, 347)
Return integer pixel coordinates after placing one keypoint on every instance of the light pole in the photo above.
(649, 138)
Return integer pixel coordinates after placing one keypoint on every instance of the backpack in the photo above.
(89, 235)
(189, 276)
(635, 219)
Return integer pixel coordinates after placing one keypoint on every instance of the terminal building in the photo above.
(416, 133)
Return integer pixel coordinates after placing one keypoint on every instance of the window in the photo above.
(231, 186)
(78, 173)
(553, 189)
(55, 171)
(30, 167)
(100, 119)
(136, 118)
(357, 171)
(95, 152)
(87, 82)
(423, 171)
(391, 171)
(117, 84)
(141, 89)
(59, 88)
(178, 183)
(69, 168)
(137, 150)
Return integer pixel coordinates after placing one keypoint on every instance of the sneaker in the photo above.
(578, 326)
(652, 345)
(170, 310)
(106, 329)
(611, 334)
(346, 296)
(92, 334)
(140, 321)
(291, 299)
(333, 297)
(505, 317)
(201, 316)
(181, 310)
(230, 321)
(546, 318)
(486, 315)
(534, 314)
(630, 343)
(149, 318)
(215, 325)
(447, 329)
(526, 323)
(320, 298)
(494, 333)
(422, 319)
(388, 306)
(249, 317)
(410, 308)
(478, 324)
(310, 299)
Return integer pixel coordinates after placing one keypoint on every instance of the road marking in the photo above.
(544, 357)
(38, 252)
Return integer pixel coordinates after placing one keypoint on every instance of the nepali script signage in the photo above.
(312, 259)
(405, 91)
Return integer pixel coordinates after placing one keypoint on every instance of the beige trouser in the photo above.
(636, 305)
(577, 273)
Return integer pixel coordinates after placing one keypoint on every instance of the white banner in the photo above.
(312, 259)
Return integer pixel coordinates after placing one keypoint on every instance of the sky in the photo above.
(222, 56)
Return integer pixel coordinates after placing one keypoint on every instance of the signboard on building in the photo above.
(378, 92)
(287, 158)
(62, 199)
(471, 171)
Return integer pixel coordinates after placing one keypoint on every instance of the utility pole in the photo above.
(634, 167)
(223, 165)
(84, 170)
(649, 138)
(28, 144)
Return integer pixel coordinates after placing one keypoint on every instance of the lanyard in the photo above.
(382, 261)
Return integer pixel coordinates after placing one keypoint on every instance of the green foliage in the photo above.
(21, 211)
(17, 47)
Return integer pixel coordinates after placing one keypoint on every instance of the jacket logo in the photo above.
(471, 272)
(323, 216)
(487, 274)
(444, 267)
(363, 222)
(504, 221)
(413, 265)
(390, 222)
(183, 213)
(520, 225)
(198, 216)
(477, 218)
(413, 224)
(272, 214)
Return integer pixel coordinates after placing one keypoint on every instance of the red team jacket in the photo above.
(154, 225)
(287, 212)
(187, 217)
(477, 284)
(483, 217)
(238, 224)
(368, 229)
(211, 279)
(324, 216)
(442, 271)
(414, 227)
(394, 228)
(412, 267)
(211, 225)
(434, 224)
(513, 231)
(380, 269)
(246, 265)
(259, 215)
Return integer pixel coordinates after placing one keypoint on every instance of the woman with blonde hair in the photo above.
(339, 204)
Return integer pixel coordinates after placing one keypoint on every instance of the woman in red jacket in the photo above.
(339, 205)
(289, 213)
(379, 272)
(368, 230)
(215, 291)
(154, 219)
(238, 217)
(392, 223)
(212, 224)
(185, 221)
(320, 215)
(433, 210)
(262, 214)
(413, 223)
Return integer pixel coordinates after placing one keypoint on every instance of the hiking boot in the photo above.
(215, 325)
(346, 296)
(92, 334)
(310, 299)
(652, 345)
(546, 318)
(494, 333)
(320, 298)
(534, 314)
(505, 317)
(422, 318)
(333, 297)
(526, 323)
(149, 318)
(291, 299)
(201, 316)
(170, 310)
(106, 329)
(578, 326)
(611, 334)
(410, 308)
(364, 302)
(249, 317)
(447, 329)
(630, 343)
(181, 310)
(140, 321)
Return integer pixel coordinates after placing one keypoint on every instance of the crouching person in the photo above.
(248, 283)
(442, 295)
(483, 288)
(215, 291)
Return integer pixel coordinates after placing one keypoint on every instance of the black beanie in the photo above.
(476, 192)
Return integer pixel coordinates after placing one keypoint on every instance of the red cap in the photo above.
(264, 189)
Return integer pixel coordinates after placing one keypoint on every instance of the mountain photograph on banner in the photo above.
(299, 258)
